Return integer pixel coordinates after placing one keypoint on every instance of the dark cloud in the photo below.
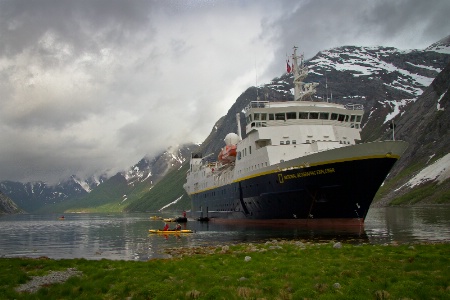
(321, 24)
(87, 86)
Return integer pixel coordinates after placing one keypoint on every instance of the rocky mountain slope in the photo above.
(7, 206)
(422, 174)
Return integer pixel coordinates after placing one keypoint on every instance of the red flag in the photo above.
(288, 67)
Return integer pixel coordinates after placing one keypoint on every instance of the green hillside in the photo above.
(110, 196)
(107, 197)
(165, 191)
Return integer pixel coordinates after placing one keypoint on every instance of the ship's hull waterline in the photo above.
(330, 188)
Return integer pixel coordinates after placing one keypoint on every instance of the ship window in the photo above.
(271, 117)
(346, 118)
(341, 118)
(281, 142)
(324, 116)
(303, 115)
(294, 142)
(334, 116)
(263, 117)
(358, 118)
(288, 142)
(239, 155)
(291, 115)
(279, 116)
(313, 115)
(352, 118)
(249, 149)
(256, 117)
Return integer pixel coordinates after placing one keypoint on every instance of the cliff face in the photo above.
(421, 175)
(7, 206)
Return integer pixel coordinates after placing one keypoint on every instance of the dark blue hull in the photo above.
(341, 191)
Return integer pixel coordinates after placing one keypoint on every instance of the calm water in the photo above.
(125, 236)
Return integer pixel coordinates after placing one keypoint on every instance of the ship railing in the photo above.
(351, 106)
(259, 124)
(257, 104)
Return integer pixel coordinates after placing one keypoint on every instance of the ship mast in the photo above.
(302, 90)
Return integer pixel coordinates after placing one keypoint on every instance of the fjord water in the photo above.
(126, 237)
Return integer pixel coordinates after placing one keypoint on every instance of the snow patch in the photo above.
(396, 108)
(438, 105)
(171, 203)
(437, 171)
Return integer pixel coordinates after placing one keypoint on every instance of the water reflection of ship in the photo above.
(260, 232)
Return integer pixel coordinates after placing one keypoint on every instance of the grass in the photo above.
(276, 270)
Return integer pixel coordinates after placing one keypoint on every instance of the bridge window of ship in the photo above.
(263, 117)
(291, 115)
(280, 116)
(303, 115)
(314, 115)
(324, 116)
(256, 117)
(341, 118)
(271, 117)
(334, 116)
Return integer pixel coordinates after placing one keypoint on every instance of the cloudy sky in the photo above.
(94, 85)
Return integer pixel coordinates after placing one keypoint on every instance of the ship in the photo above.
(302, 161)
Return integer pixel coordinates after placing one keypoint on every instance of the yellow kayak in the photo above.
(169, 231)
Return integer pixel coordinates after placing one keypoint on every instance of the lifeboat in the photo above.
(228, 153)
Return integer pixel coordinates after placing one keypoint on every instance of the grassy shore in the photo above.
(273, 270)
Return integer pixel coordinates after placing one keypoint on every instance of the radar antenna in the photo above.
(302, 90)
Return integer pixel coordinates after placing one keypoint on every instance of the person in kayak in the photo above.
(178, 227)
(166, 227)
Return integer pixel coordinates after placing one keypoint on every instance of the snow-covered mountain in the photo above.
(33, 196)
